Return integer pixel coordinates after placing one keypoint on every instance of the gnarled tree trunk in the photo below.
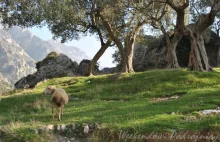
(97, 56)
(117, 42)
(130, 59)
(171, 49)
(126, 51)
(129, 51)
(172, 58)
(129, 46)
(179, 31)
(198, 59)
(218, 54)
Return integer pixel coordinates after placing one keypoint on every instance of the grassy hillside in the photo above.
(135, 102)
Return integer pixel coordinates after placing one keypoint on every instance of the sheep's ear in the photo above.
(53, 88)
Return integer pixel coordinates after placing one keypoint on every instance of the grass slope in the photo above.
(123, 104)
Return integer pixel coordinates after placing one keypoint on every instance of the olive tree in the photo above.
(198, 59)
(123, 23)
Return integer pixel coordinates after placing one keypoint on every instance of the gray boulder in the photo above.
(109, 70)
(54, 65)
(83, 67)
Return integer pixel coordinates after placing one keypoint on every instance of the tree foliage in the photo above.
(118, 22)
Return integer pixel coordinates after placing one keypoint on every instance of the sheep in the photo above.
(59, 99)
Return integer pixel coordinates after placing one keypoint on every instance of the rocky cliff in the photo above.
(14, 61)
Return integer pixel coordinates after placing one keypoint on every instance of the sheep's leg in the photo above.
(59, 114)
(62, 111)
(52, 113)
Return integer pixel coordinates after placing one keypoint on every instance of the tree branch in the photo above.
(138, 27)
(177, 8)
(111, 33)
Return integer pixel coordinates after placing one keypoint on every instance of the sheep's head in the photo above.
(49, 90)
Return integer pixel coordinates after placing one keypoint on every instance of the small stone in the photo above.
(58, 128)
(86, 128)
(173, 113)
(218, 108)
(50, 127)
(174, 97)
(207, 112)
(45, 128)
(61, 127)
(73, 126)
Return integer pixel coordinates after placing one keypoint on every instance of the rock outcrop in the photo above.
(54, 65)
(154, 54)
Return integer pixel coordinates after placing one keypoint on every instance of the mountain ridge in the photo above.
(33, 44)
(14, 61)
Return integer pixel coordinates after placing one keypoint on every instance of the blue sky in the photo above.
(89, 44)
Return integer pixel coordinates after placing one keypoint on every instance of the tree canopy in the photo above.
(120, 23)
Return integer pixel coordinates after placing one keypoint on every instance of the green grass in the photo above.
(122, 105)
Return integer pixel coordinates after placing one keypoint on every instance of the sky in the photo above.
(89, 44)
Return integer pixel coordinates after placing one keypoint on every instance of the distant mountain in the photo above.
(14, 61)
(35, 47)
(38, 48)
(72, 52)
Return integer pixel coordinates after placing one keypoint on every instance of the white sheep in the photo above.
(59, 99)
